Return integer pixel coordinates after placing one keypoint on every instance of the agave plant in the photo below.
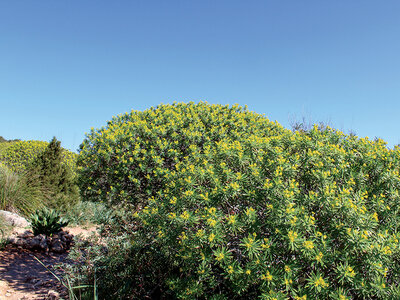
(47, 221)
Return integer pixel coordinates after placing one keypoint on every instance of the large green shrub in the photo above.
(55, 176)
(131, 158)
(230, 205)
(19, 155)
(4, 144)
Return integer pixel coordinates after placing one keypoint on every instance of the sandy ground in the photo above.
(23, 277)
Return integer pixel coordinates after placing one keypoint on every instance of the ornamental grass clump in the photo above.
(230, 205)
(18, 192)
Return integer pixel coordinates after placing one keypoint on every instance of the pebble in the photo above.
(53, 295)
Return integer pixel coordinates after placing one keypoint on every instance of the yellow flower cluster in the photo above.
(249, 206)
(18, 155)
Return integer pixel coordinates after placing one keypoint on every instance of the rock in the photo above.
(8, 295)
(53, 295)
(57, 246)
(41, 237)
(43, 245)
(38, 283)
(26, 234)
(12, 240)
(66, 239)
(32, 243)
(13, 219)
(19, 242)
(57, 243)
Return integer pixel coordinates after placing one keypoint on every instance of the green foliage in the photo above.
(225, 204)
(55, 176)
(4, 230)
(19, 155)
(35, 173)
(87, 212)
(74, 292)
(114, 267)
(47, 221)
(3, 146)
(19, 192)
(131, 158)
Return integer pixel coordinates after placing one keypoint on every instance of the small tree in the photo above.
(55, 176)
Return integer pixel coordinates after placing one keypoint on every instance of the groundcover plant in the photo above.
(235, 206)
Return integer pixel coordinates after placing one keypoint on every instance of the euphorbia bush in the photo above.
(19, 155)
(132, 157)
(238, 207)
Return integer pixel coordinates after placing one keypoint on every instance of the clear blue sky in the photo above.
(66, 66)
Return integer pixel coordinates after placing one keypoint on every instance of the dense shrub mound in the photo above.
(19, 155)
(36, 173)
(227, 204)
(133, 156)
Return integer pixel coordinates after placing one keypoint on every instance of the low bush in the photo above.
(47, 221)
(222, 203)
(87, 212)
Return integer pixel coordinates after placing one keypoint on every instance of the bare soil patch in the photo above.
(22, 276)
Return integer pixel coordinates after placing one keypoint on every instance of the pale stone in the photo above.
(13, 219)
(53, 295)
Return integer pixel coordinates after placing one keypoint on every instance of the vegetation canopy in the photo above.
(19, 155)
(133, 157)
(35, 173)
(231, 205)
(55, 176)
